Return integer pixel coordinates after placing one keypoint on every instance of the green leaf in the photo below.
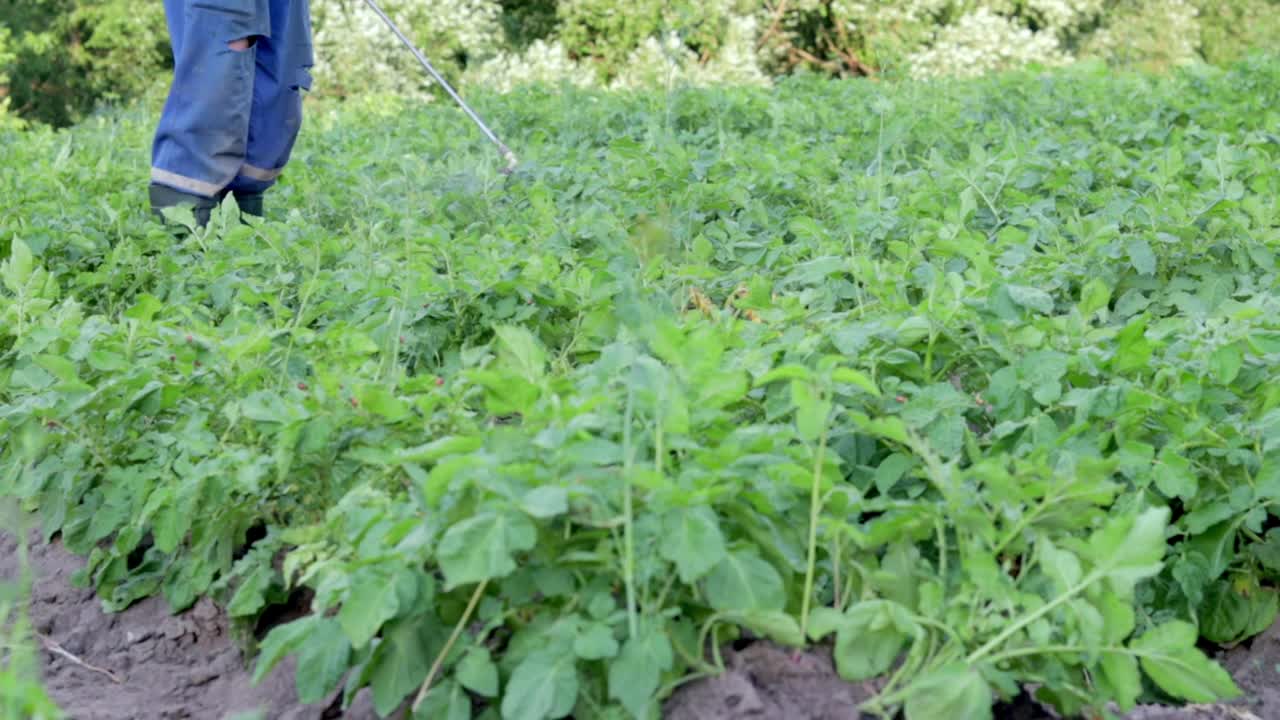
(891, 470)
(1236, 610)
(437, 449)
(744, 581)
(547, 501)
(371, 602)
(691, 539)
(521, 351)
(401, 661)
(850, 376)
(1061, 565)
(778, 626)
(1031, 298)
(812, 412)
(595, 642)
(379, 400)
(445, 701)
(823, 621)
(1094, 296)
(1173, 475)
(478, 673)
(1170, 658)
(1226, 362)
(249, 597)
(869, 640)
(1129, 549)
(1118, 618)
(322, 660)
(543, 685)
(785, 372)
(635, 674)
(483, 547)
(954, 691)
(1141, 256)
(281, 641)
(1122, 679)
(18, 268)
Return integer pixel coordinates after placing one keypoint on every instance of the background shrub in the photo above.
(62, 57)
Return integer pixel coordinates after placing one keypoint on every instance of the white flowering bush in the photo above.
(541, 63)
(666, 61)
(1149, 34)
(356, 52)
(983, 41)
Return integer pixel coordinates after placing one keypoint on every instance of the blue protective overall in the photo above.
(232, 116)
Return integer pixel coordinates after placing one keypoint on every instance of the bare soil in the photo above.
(147, 664)
(767, 682)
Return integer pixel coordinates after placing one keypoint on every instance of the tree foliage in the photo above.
(65, 56)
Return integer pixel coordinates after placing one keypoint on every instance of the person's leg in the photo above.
(283, 61)
(200, 140)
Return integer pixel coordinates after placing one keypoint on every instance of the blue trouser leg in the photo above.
(282, 63)
(231, 117)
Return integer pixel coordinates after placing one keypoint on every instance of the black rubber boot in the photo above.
(163, 197)
(250, 203)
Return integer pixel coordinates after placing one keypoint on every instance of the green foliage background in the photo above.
(64, 57)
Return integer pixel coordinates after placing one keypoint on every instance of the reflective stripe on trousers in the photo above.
(232, 117)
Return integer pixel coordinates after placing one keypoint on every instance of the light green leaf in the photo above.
(635, 674)
(1032, 298)
(1226, 363)
(1170, 658)
(249, 599)
(1141, 256)
(691, 539)
(371, 602)
(1121, 677)
(595, 642)
(401, 660)
(282, 640)
(445, 701)
(1118, 618)
(823, 621)
(437, 449)
(868, 641)
(811, 411)
(17, 269)
(1173, 475)
(1061, 565)
(850, 376)
(478, 673)
(744, 581)
(775, 625)
(891, 470)
(1129, 549)
(1094, 296)
(521, 351)
(785, 372)
(954, 691)
(544, 685)
(483, 547)
(547, 501)
(322, 660)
